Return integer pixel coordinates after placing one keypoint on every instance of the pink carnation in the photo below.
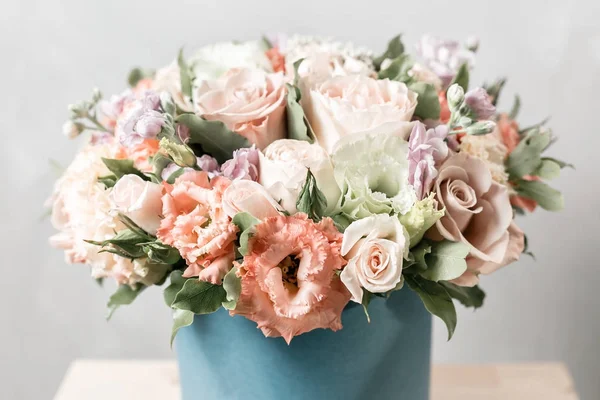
(195, 223)
(289, 280)
(426, 149)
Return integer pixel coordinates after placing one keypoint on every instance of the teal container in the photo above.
(222, 357)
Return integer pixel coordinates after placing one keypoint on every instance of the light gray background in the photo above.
(54, 52)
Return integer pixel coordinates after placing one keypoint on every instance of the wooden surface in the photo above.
(158, 380)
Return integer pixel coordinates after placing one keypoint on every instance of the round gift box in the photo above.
(222, 357)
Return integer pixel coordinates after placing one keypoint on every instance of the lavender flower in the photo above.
(480, 103)
(426, 148)
(113, 107)
(243, 165)
(208, 164)
(143, 120)
(444, 57)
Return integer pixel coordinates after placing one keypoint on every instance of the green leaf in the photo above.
(560, 163)
(137, 74)
(186, 75)
(436, 300)
(398, 69)
(548, 198)
(297, 124)
(548, 169)
(123, 167)
(233, 287)
(311, 200)
(124, 295)
(462, 77)
(525, 158)
(495, 89)
(108, 181)
(177, 281)
(159, 163)
(245, 223)
(160, 252)
(173, 177)
(181, 319)
(214, 137)
(514, 111)
(445, 261)
(395, 48)
(199, 297)
(366, 300)
(467, 296)
(342, 221)
(266, 42)
(428, 104)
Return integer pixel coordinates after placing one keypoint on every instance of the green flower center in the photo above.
(289, 270)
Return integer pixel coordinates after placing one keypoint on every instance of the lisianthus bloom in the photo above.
(477, 213)
(283, 168)
(250, 102)
(357, 105)
(82, 210)
(420, 218)
(373, 173)
(289, 280)
(195, 224)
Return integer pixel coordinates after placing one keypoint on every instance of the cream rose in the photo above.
(374, 247)
(248, 196)
(478, 214)
(349, 105)
(139, 200)
(283, 168)
(250, 102)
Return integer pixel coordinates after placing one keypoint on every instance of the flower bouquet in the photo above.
(306, 185)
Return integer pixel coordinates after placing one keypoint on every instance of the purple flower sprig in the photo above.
(145, 119)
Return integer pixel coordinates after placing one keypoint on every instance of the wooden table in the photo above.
(158, 380)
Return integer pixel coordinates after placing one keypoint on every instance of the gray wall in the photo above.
(54, 52)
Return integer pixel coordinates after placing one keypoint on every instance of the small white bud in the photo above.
(72, 129)
(455, 96)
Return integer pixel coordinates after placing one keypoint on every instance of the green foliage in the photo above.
(467, 296)
(514, 111)
(176, 284)
(441, 261)
(199, 297)
(548, 198)
(366, 300)
(495, 89)
(121, 168)
(186, 75)
(297, 123)
(428, 104)
(398, 69)
(525, 159)
(233, 287)
(245, 223)
(395, 48)
(436, 300)
(124, 295)
(213, 136)
(548, 169)
(311, 200)
(181, 319)
(462, 77)
(137, 74)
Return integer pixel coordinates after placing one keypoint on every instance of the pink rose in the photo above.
(355, 104)
(478, 213)
(248, 196)
(196, 224)
(289, 280)
(250, 102)
(139, 200)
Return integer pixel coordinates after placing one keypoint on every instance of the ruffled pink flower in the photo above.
(195, 224)
(480, 103)
(426, 149)
(243, 165)
(289, 280)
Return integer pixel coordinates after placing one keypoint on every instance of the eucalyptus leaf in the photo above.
(214, 137)
(462, 77)
(428, 104)
(548, 198)
(436, 300)
(186, 75)
(311, 200)
(525, 159)
(233, 287)
(395, 48)
(181, 319)
(121, 168)
(124, 295)
(467, 296)
(176, 284)
(560, 163)
(445, 261)
(548, 169)
(199, 297)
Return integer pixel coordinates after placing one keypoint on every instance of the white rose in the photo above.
(374, 247)
(283, 168)
(212, 61)
(248, 196)
(139, 200)
(357, 105)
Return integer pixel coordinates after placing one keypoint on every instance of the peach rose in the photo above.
(289, 280)
(478, 212)
(139, 200)
(250, 102)
(348, 105)
(195, 224)
(248, 196)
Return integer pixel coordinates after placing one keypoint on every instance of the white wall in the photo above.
(54, 51)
